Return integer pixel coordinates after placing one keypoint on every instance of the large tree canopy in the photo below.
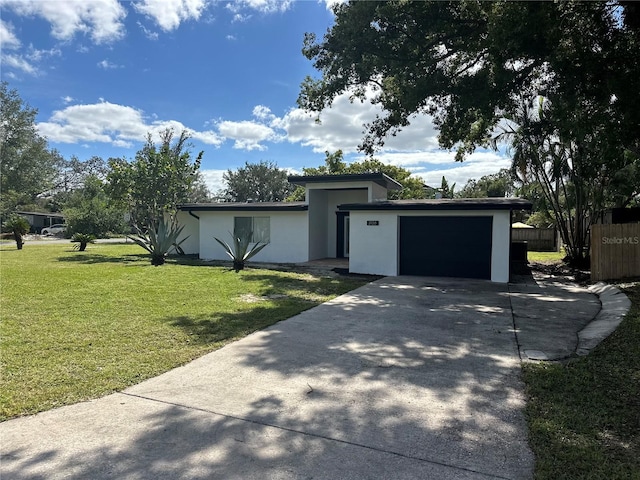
(258, 182)
(27, 166)
(157, 180)
(556, 81)
(467, 63)
(499, 184)
(87, 209)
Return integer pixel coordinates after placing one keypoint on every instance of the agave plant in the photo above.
(159, 239)
(240, 251)
(82, 239)
(18, 226)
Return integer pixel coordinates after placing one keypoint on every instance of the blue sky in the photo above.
(103, 73)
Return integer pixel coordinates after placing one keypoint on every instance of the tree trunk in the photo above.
(19, 241)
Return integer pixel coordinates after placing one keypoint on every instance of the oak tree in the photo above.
(478, 67)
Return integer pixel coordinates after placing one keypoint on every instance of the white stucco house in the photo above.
(349, 216)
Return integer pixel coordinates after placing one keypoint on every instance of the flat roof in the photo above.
(444, 204)
(245, 206)
(379, 178)
(43, 214)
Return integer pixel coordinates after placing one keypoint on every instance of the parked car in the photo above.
(54, 229)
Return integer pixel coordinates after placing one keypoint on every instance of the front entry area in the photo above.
(446, 246)
(342, 235)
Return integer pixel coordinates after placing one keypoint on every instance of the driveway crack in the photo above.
(315, 435)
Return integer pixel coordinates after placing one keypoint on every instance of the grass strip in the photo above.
(584, 416)
(79, 325)
(545, 257)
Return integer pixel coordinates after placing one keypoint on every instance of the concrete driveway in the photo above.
(404, 378)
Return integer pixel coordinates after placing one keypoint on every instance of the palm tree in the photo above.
(18, 226)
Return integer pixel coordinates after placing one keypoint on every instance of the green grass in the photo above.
(584, 416)
(545, 257)
(79, 325)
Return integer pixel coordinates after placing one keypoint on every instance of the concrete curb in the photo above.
(615, 306)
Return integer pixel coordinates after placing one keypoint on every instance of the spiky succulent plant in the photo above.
(159, 239)
(241, 251)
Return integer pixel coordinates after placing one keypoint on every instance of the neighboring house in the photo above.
(39, 220)
(349, 216)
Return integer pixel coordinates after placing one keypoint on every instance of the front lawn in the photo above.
(584, 416)
(545, 257)
(79, 325)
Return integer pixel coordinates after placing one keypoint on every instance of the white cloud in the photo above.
(102, 20)
(248, 135)
(107, 65)
(28, 62)
(151, 35)
(414, 148)
(261, 6)
(264, 114)
(67, 99)
(19, 63)
(413, 159)
(252, 134)
(110, 123)
(342, 127)
(169, 14)
(213, 179)
(477, 165)
(240, 18)
(8, 40)
(38, 55)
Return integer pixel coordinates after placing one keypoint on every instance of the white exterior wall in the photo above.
(378, 193)
(374, 249)
(288, 233)
(192, 229)
(501, 246)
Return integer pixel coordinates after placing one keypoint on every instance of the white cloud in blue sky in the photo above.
(101, 20)
(169, 14)
(104, 73)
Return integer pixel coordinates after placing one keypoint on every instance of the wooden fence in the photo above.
(615, 251)
(538, 239)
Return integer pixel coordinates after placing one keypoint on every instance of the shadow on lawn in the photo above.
(211, 329)
(93, 258)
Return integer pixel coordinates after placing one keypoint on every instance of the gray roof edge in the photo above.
(380, 178)
(45, 214)
(246, 206)
(444, 204)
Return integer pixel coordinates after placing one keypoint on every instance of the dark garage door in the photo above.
(446, 246)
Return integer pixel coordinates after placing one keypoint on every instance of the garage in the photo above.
(461, 237)
(446, 246)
